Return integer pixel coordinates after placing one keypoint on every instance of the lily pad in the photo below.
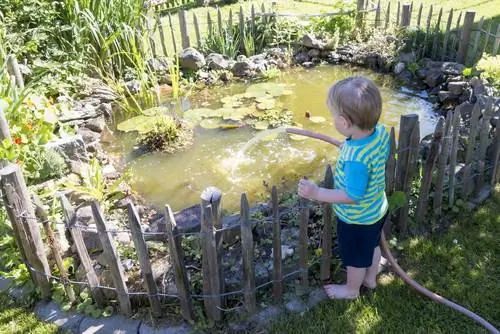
(247, 111)
(261, 125)
(264, 98)
(317, 119)
(232, 104)
(211, 123)
(274, 89)
(142, 124)
(156, 111)
(195, 115)
(266, 104)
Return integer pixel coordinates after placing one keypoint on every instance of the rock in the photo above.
(132, 87)
(477, 86)
(316, 297)
(301, 57)
(84, 216)
(191, 59)
(242, 68)
(466, 110)
(181, 329)
(399, 68)
(71, 148)
(422, 73)
(333, 57)
(434, 77)
(97, 89)
(109, 172)
(88, 136)
(116, 324)
(296, 306)
(285, 251)
(51, 312)
(408, 57)
(80, 112)
(265, 316)
(457, 87)
(159, 65)
(97, 124)
(308, 64)
(127, 264)
(309, 41)
(216, 61)
(105, 109)
(445, 96)
(494, 121)
(5, 283)
(91, 238)
(452, 68)
(313, 53)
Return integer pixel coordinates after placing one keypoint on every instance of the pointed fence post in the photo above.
(326, 256)
(453, 158)
(466, 31)
(466, 178)
(247, 255)
(186, 43)
(303, 224)
(483, 145)
(442, 163)
(277, 265)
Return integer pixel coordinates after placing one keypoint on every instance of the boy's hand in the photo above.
(308, 189)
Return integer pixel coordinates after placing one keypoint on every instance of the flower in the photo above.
(29, 126)
(18, 161)
(17, 140)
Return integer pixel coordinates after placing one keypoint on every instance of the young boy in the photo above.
(359, 198)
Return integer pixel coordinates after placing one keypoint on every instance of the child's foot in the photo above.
(370, 284)
(336, 291)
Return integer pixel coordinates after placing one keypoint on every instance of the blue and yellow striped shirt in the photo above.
(360, 172)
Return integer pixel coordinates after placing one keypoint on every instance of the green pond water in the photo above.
(215, 158)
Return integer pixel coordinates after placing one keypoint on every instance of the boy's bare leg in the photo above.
(370, 280)
(355, 277)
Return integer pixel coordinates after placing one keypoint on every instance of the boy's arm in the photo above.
(310, 190)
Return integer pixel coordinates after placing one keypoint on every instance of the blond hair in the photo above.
(358, 100)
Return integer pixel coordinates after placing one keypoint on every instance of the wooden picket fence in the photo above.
(453, 36)
(478, 173)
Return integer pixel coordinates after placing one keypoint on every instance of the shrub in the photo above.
(168, 135)
(339, 27)
(490, 69)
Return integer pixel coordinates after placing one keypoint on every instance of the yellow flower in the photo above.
(319, 251)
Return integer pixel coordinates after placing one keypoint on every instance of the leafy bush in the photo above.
(338, 27)
(168, 135)
(490, 69)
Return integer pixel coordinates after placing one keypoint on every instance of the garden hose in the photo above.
(394, 265)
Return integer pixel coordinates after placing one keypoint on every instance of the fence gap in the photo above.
(453, 158)
(427, 175)
(277, 265)
(177, 256)
(483, 144)
(113, 260)
(19, 208)
(81, 249)
(247, 255)
(442, 163)
(474, 121)
(211, 264)
(304, 221)
(466, 31)
(143, 257)
(326, 256)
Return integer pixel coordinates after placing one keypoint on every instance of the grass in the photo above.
(15, 319)
(462, 265)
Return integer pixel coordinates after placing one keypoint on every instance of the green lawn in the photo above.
(18, 320)
(463, 265)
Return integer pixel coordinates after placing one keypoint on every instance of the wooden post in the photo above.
(497, 41)
(143, 256)
(186, 43)
(390, 168)
(219, 20)
(486, 38)
(55, 247)
(483, 144)
(197, 30)
(408, 133)
(277, 265)
(172, 33)
(252, 22)
(360, 7)
(209, 25)
(326, 256)
(419, 15)
(427, 28)
(429, 167)
(242, 26)
(247, 255)
(378, 22)
(442, 162)
(496, 158)
(177, 257)
(113, 260)
(230, 21)
(18, 205)
(474, 121)
(453, 50)
(477, 35)
(466, 30)
(405, 19)
(76, 235)
(13, 69)
(398, 14)
(162, 38)
(212, 280)
(447, 34)
(437, 28)
(453, 158)
(304, 221)
(388, 15)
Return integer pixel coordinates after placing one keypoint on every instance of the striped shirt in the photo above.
(360, 172)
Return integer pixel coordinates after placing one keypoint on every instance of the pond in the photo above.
(215, 158)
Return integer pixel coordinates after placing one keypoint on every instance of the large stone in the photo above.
(97, 124)
(399, 68)
(310, 41)
(457, 87)
(97, 89)
(89, 136)
(71, 148)
(132, 87)
(452, 68)
(191, 59)
(80, 112)
(434, 77)
(408, 57)
(445, 96)
(113, 325)
(216, 61)
(242, 68)
(51, 312)
(159, 65)
(84, 216)
(301, 57)
(313, 53)
(477, 86)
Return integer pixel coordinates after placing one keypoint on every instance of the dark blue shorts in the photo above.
(357, 242)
